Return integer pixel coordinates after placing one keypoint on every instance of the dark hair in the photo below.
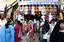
(7, 24)
(54, 20)
(54, 34)
(19, 23)
(58, 24)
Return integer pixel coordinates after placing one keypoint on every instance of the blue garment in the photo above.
(0, 35)
(3, 34)
(7, 35)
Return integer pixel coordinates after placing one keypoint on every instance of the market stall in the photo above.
(36, 8)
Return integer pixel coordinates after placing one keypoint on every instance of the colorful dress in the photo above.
(7, 35)
(17, 29)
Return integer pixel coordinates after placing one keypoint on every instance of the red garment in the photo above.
(31, 30)
(46, 17)
(17, 29)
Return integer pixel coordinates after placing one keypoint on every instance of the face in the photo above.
(62, 26)
(22, 20)
(53, 22)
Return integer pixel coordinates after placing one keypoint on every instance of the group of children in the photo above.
(26, 30)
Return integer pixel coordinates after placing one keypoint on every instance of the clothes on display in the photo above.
(7, 34)
(61, 16)
(17, 29)
(30, 23)
(30, 29)
(37, 8)
(37, 27)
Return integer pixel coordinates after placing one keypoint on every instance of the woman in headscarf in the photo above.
(57, 34)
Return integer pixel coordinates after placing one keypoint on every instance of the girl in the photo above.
(58, 32)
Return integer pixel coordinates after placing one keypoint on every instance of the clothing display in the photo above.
(7, 34)
(17, 29)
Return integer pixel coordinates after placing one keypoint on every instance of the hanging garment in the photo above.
(43, 11)
(33, 10)
(0, 35)
(50, 17)
(30, 7)
(52, 26)
(37, 27)
(55, 9)
(61, 16)
(4, 21)
(46, 27)
(31, 31)
(26, 10)
(23, 38)
(22, 8)
(51, 9)
(25, 27)
(2, 31)
(46, 16)
(17, 29)
(7, 35)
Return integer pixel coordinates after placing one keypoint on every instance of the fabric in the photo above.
(3, 34)
(46, 17)
(52, 26)
(33, 10)
(55, 35)
(7, 35)
(45, 28)
(17, 29)
(0, 35)
(61, 34)
(50, 17)
(61, 16)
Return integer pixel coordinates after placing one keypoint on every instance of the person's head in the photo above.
(21, 18)
(8, 23)
(53, 21)
(19, 23)
(30, 21)
(60, 25)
